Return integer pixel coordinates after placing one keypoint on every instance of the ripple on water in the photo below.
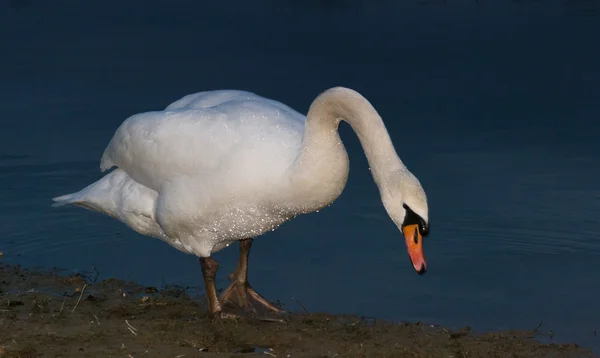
(514, 238)
(30, 225)
(518, 200)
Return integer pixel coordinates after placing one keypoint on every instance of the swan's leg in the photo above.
(239, 293)
(209, 271)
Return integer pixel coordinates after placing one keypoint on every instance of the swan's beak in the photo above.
(414, 244)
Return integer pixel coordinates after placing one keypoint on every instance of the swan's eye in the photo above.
(424, 229)
(411, 218)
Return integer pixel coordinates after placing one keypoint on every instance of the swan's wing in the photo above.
(238, 137)
(119, 196)
(209, 99)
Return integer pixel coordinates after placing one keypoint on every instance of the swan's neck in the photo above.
(321, 169)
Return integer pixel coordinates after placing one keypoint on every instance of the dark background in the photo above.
(493, 105)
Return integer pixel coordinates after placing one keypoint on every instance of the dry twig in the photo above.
(79, 299)
(62, 307)
(131, 328)
(301, 305)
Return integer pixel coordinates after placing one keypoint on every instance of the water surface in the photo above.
(492, 106)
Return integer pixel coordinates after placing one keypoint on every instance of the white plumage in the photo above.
(220, 166)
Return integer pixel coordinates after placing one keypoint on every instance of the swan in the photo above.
(221, 166)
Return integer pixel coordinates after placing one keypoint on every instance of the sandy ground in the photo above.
(46, 314)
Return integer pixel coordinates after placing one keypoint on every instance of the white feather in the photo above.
(219, 166)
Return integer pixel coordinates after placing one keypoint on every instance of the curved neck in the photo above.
(322, 150)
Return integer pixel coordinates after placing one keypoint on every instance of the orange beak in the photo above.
(414, 244)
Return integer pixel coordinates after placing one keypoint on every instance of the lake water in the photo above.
(493, 106)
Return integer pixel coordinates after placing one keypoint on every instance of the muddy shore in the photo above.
(50, 314)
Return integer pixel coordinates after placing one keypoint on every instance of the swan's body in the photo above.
(219, 166)
(220, 161)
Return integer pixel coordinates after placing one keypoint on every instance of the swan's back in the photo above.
(235, 136)
(207, 99)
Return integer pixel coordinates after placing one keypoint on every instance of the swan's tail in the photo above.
(118, 196)
(65, 200)
(97, 196)
(81, 199)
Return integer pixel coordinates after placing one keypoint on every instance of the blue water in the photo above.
(493, 106)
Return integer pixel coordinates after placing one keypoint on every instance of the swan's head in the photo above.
(406, 204)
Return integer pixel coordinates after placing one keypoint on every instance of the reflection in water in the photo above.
(492, 111)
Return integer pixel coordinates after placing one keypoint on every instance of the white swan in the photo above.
(219, 166)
